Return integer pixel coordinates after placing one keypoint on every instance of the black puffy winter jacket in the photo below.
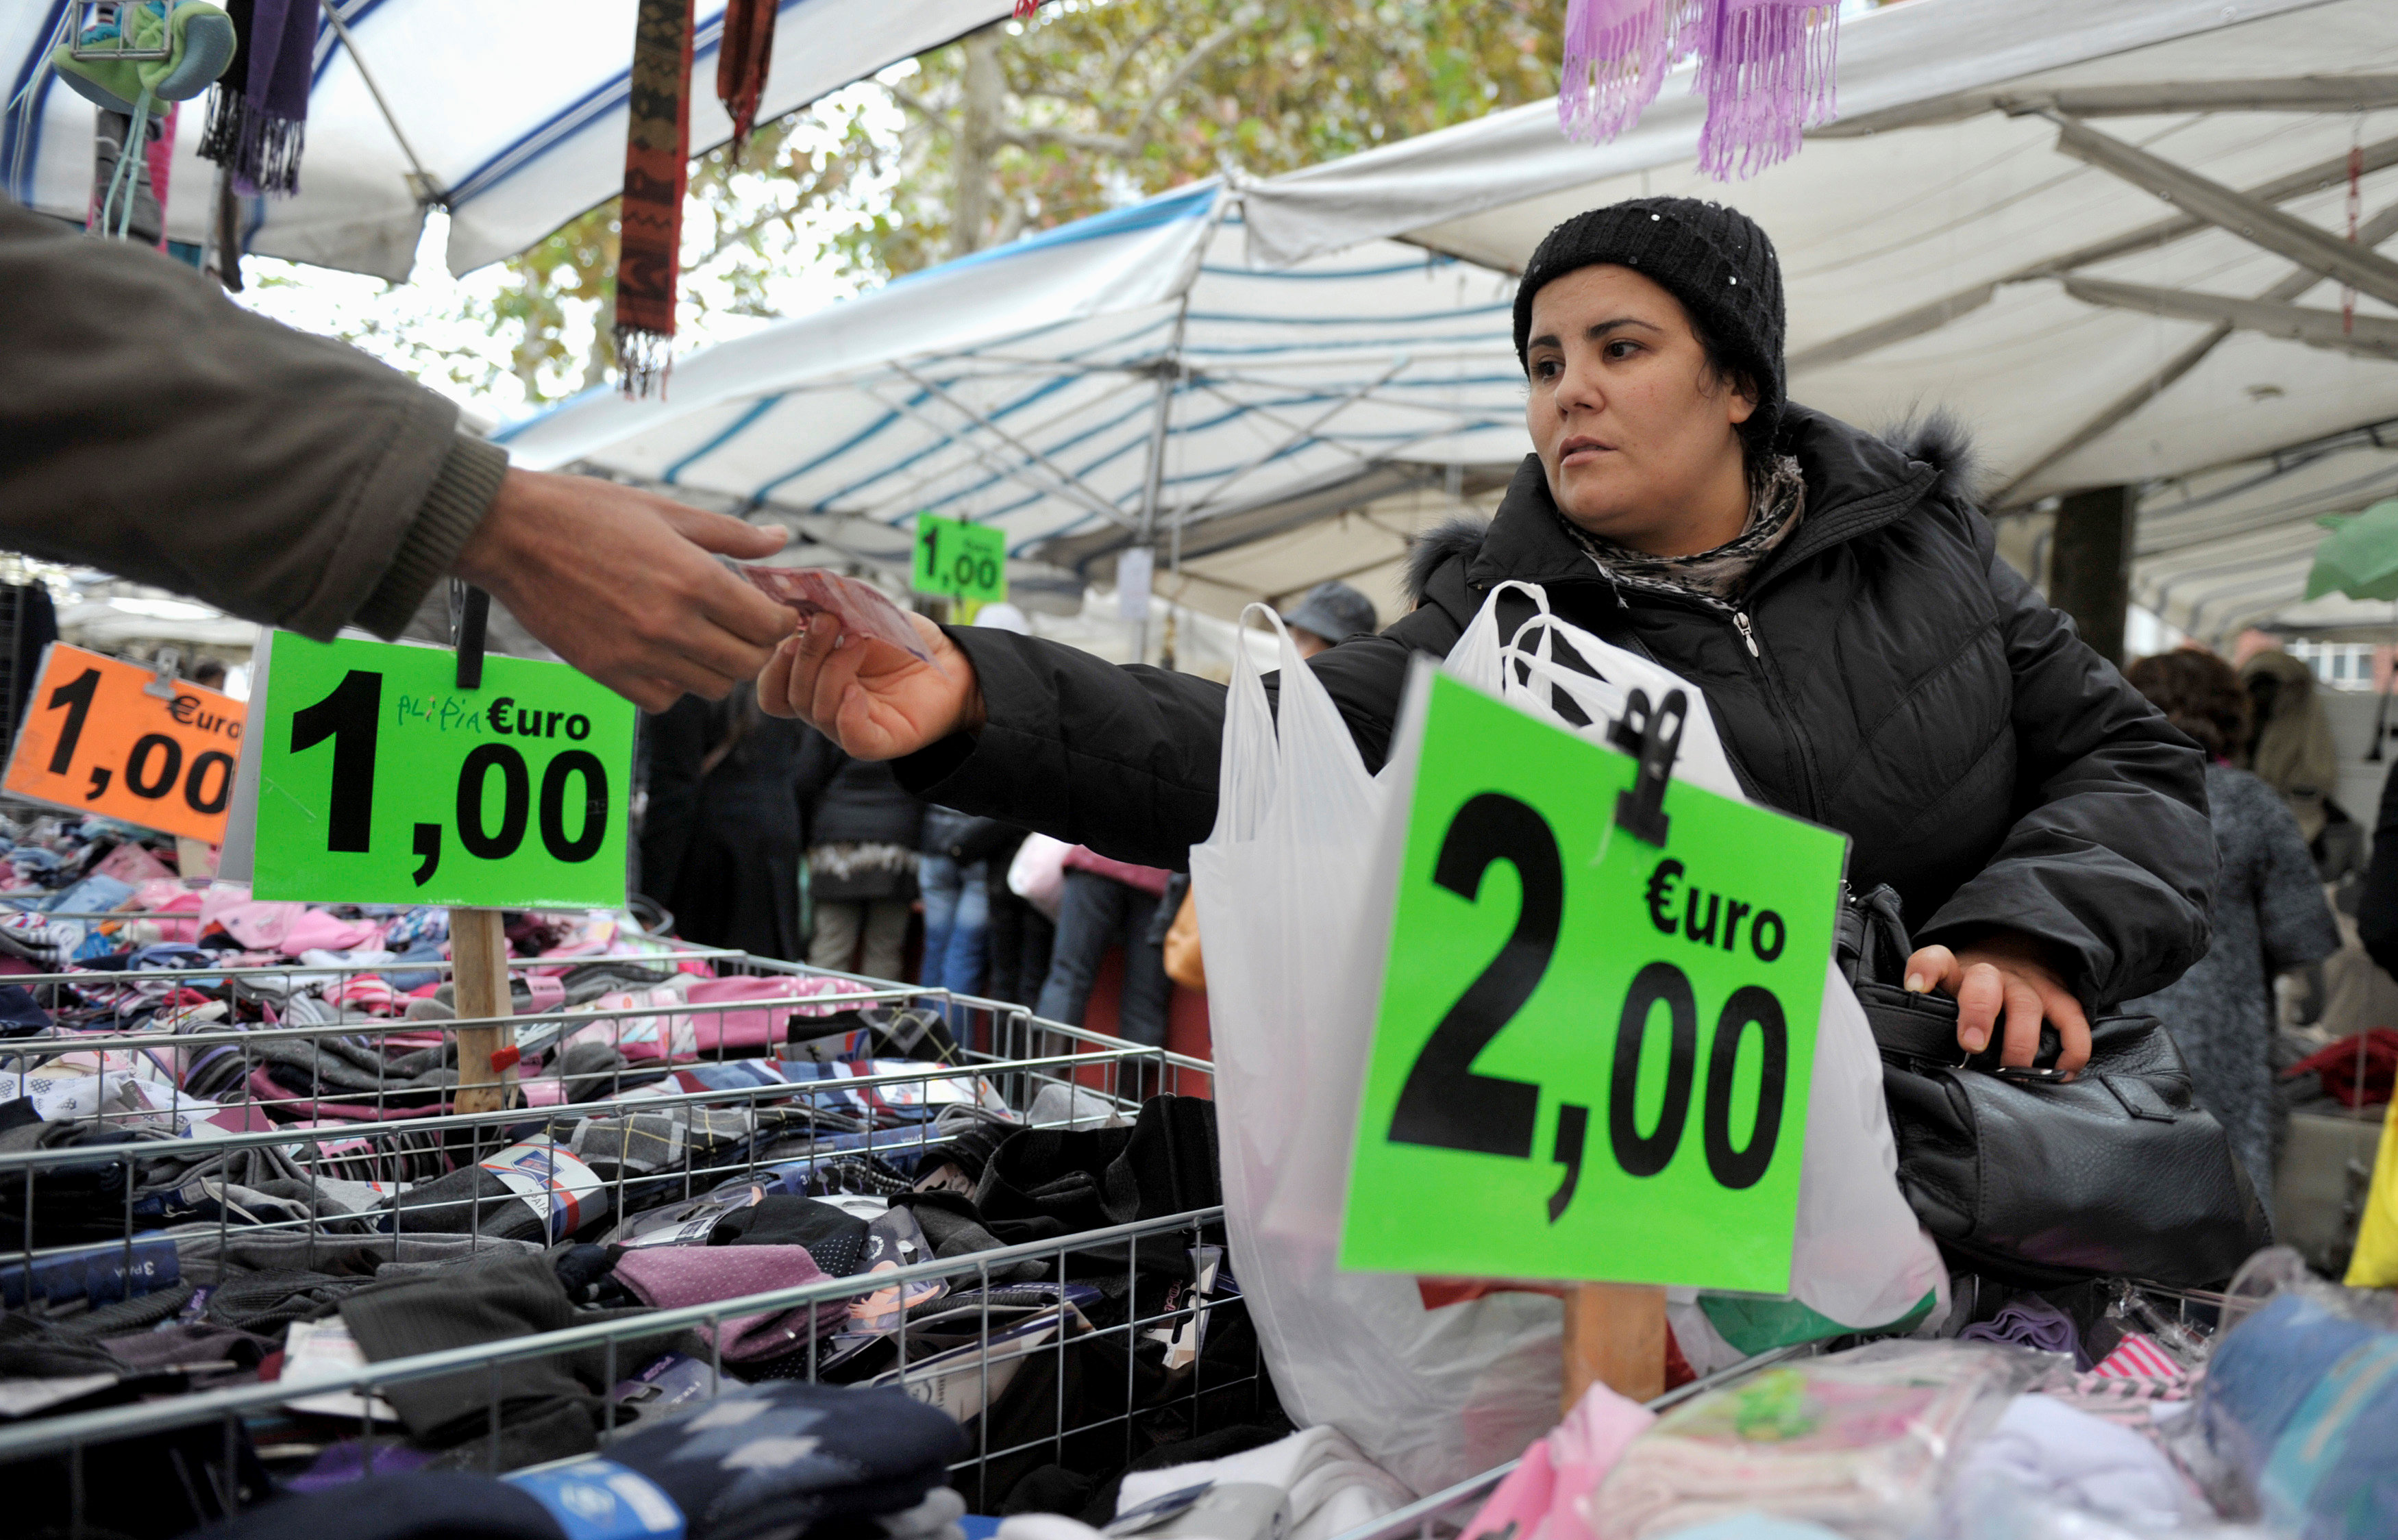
(1905, 686)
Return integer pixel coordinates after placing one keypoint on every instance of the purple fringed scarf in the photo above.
(259, 116)
(1766, 67)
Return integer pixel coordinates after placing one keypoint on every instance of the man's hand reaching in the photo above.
(620, 583)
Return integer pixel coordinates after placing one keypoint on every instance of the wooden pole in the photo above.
(1615, 1334)
(2090, 564)
(479, 958)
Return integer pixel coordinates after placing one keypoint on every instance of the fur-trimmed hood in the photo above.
(1936, 438)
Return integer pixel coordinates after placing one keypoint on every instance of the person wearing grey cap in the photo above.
(1328, 615)
(1836, 596)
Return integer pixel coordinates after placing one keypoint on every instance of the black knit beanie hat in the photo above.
(1716, 260)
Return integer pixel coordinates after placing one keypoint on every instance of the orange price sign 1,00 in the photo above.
(96, 739)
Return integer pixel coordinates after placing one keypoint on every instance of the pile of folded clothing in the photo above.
(289, 1273)
(47, 858)
(378, 972)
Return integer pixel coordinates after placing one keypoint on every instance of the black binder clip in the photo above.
(470, 615)
(1653, 738)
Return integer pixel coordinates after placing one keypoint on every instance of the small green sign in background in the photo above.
(1591, 1057)
(967, 560)
(380, 782)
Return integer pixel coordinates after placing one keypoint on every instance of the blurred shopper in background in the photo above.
(1329, 614)
(956, 890)
(2268, 914)
(720, 839)
(1106, 903)
(863, 832)
(2287, 744)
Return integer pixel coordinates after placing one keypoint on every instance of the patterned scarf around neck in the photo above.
(1777, 497)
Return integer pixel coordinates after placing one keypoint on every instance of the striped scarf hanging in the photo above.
(657, 168)
(1767, 68)
(743, 63)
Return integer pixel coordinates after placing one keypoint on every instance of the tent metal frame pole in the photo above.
(2310, 246)
(428, 191)
(2141, 99)
(1171, 370)
(2379, 155)
(1072, 492)
(1095, 503)
(2372, 233)
(1153, 480)
(1295, 436)
(2365, 336)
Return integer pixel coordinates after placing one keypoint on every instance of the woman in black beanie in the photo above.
(1870, 660)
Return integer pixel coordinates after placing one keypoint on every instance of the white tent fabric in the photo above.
(515, 111)
(1025, 387)
(1927, 261)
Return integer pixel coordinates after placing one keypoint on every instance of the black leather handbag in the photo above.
(2040, 1179)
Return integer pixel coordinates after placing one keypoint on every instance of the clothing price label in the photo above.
(105, 736)
(1591, 1055)
(380, 782)
(953, 556)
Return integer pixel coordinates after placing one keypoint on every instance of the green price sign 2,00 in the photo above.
(953, 557)
(380, 782)
(1592, 1055)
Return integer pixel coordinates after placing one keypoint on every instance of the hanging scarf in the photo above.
(657, 164)
(1777, 497)
(258, 115)
(1766, 67)
(742, 63)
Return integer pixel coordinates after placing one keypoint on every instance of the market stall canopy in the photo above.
(511, 117)
(1058, 386)
(2111, 237)
(2231, 547)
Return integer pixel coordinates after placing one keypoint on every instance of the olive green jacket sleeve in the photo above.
(151, 427)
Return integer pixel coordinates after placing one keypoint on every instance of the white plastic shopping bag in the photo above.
(1286, 890)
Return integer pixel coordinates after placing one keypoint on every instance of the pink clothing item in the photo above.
(314, 931)
(1149, 879)
(364, 991)
(679, 1035)
(134, 863)
(162, 895)
(667, 1277)
(1545, 1498)
(258, 926)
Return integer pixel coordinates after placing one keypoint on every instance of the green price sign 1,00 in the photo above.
(956, 557)
(380, 782)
